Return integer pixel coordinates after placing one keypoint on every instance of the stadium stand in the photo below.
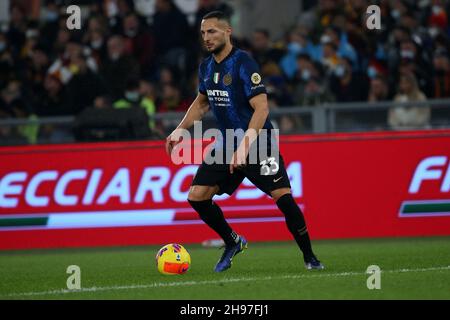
(327, 58)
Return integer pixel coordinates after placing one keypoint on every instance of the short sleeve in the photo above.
(250, 76)
(201, 84)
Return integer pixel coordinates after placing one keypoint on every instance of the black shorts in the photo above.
(267, 176)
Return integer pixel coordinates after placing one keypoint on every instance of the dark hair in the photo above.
(332, 45)
(219, 15)
(304, 56)
(132, 83)
(380, 78)
(265, 32)
(335, 29)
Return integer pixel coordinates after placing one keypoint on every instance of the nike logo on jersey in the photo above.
(276, 180)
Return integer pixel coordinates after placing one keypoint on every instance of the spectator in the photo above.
(262, 49)
(375, 118)
(167, 75)
(170, 28)
(347, 86)
(96, 42)
(50, 20)
(53, 101)
(330, 58)
(17, 29)
(411, 52)
(12, 102)
(116, 11)
(40, 71)
(95, 38)
(84, 86)
(409, 117)
(344, 48)
(379, 90)
(172, 100)
(118, 67)
(62, 39)
(102, 102)
(133, 98)
(14, 105)
(33, 71)
(310, 89)
(441, 78)
(298, 43)
(64, 67)
(7, 62)
(139, 43)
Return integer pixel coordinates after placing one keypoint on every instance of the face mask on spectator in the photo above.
(407, 54)
(306, 75)
(325, 39)
(294, 47)
(112, 9)
(436, 10)
(97, 44)
(115, 56)
(2, 46)
(131, 33)
(51, 16)
(339, 71)
(371, 72)
(433, 32)
(132, 96)
(395, 14)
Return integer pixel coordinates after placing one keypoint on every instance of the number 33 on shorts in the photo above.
(269, 166)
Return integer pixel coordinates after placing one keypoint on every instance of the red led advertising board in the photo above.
(384, 184)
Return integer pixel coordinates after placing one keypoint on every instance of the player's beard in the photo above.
(219, 48)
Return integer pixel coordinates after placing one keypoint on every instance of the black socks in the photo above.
(296, 224)
(212, 215)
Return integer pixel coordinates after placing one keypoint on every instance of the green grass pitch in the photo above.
(412, 268)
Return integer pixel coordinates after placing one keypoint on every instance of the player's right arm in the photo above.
(196, 111)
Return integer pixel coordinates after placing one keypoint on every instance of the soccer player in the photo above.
(230, 84)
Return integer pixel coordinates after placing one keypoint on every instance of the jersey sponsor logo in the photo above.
(227, 79)
(256, 78)
(216, 77)
(217, 93)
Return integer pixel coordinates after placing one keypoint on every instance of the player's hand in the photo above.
(171, 141)
(239, 159)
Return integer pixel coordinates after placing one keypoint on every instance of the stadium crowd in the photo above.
(123, 58)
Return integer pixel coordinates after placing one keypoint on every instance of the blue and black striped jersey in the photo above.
(229, 86)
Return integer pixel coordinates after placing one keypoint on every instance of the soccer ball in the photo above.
(173, 259)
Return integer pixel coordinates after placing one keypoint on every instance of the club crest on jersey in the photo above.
(227, 79)
(216, 77)
(256, 78)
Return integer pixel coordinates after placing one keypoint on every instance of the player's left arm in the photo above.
(260, 105)
(259, 117)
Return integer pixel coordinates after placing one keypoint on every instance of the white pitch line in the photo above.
(207, 282)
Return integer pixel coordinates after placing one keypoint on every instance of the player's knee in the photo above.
(278, 193)
(195, 195)
(200, 193)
